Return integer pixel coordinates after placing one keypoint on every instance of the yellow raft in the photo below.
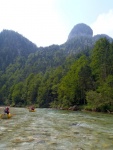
(5, 116)
(30, 110)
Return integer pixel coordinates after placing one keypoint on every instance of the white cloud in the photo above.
(103, 24)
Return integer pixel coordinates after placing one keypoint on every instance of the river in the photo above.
(48, 129)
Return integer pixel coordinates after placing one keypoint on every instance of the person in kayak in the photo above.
(6, 110)
(32, 108)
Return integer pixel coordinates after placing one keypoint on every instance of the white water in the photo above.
(48, 129)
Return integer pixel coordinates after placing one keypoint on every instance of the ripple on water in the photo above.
(22, 139)
(56, 130)
(3, 128)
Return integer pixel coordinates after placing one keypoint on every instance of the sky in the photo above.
(48, 22)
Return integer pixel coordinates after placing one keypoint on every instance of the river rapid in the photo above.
(48, 129)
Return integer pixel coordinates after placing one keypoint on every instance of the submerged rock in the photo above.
(74, 108)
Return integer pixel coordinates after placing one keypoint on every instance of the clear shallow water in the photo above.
(48, 129)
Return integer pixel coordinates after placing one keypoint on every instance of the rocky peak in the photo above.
(80, 29)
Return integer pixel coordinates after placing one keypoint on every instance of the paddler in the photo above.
(6, 110)
(32, 108)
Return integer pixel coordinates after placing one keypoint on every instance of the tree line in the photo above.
(84, 79)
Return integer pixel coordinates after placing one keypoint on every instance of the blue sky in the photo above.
(47, 22)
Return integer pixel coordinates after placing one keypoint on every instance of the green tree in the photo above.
(16, 96)
(74, 85)
(100, 60)
(31, 85)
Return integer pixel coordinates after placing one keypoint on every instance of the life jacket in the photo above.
(32, 108)
(6, 110)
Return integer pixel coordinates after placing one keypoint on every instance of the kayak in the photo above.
(5, 116)
(30, 110)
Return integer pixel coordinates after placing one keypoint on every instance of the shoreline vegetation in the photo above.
(72, 108)
(76, 108)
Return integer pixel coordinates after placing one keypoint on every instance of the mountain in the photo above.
(98, 36)
(30, 74)
(13, 45)
(80, 29)
(84, 31)
(81, 39)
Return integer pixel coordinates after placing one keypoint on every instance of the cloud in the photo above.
(103, 24)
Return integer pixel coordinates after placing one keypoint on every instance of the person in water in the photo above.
(6, 110)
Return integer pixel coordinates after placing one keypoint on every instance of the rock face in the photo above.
(80, 29)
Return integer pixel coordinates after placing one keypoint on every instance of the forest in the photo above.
(76, 73)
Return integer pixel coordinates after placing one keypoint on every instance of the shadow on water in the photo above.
(48, 129)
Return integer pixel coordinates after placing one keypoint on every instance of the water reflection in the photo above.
(48, 129)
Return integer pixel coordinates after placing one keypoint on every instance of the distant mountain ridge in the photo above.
(81, 38)
(14, 45)
(16, 41)
(82, 29)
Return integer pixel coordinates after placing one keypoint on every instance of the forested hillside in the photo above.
(78, 72)
(13, 45)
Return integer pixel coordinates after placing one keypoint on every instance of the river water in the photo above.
(48, 129)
